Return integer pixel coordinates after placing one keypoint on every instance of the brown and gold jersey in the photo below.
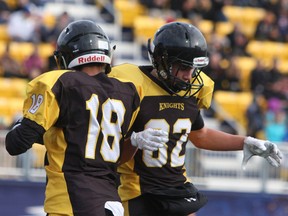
(148, 170)
(86, 119)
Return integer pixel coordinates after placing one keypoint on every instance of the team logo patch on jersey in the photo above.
(163, 106)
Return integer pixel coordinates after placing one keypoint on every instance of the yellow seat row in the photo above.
(235, 104)
(247, 64)
(4, 36)
(21, 50)
(12, 94)
(127, 11)
(13, 87)
(145, 27)
(246, 17)
(221, 28)
(244, 14)
(267, 50)
(134, 15)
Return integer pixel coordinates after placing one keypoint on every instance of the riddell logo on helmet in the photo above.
(94, 58)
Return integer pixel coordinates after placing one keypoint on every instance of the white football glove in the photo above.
(262, 148)
(149, 139)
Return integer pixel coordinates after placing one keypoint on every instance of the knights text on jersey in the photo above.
(148, 171)
(85, 119)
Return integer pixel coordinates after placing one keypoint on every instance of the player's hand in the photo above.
(149, 139)
(262, 148)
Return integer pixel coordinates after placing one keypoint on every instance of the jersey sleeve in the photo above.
(198, 123)
(129, 73)
(41, 105)
(206, 92)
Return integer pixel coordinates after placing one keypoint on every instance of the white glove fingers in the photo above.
(275, 154)
(155, 144)
(273, 161)
(150, 148)
(149, 139)
(262, 148)
(280, 155)
(276, 157)
(159, 132)
(159, 139)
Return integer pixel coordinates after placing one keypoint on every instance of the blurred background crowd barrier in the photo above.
(207, 169)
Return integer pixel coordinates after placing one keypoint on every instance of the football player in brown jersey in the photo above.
(174, 88)
(82, 117)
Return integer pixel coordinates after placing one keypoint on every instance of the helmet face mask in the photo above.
(82, 42)
(179, 44)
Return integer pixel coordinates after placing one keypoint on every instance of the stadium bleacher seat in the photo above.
(283, 66)
(12, 87)
(253, 14)
(235, 104)
(45, 50)
(221, 28)
(4, 36)
(233, 13)
(246, 65)
(21, 50)
(128, 11)
(247, 17)
(267, 50)
(145, 27)
(224, 28)
(12, 94)
(206, 27)
(49, 20)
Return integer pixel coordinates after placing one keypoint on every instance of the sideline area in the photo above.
(21, 198)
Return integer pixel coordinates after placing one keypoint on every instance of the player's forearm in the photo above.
(211, 139)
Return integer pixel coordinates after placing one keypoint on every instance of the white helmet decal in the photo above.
(90, 58)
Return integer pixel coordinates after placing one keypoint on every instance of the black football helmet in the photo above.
(180, 43)
(82, 42)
